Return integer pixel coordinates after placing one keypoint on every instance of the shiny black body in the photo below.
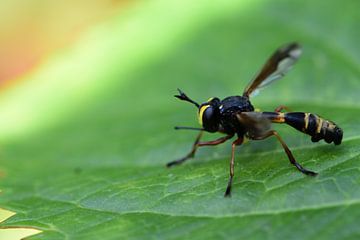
(229, 108)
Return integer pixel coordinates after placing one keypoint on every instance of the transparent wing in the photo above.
(255, 123)
(275, 68)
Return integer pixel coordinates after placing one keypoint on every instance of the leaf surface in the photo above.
(96, 170)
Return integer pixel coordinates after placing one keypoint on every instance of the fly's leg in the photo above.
(287, 151)
(237, 142)
(282, 107)
(195, 146)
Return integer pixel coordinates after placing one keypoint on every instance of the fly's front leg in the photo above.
(237, 142)
(190, 154)
(287, 151)
(195, 146)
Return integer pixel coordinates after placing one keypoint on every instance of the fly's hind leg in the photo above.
(282, 107)
(287, 151)
(195, 146)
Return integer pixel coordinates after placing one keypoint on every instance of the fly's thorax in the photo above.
(233, 104)
(229, 108)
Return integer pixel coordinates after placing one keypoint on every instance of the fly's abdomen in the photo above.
(317, 127)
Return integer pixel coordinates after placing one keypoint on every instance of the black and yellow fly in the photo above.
(236, 115)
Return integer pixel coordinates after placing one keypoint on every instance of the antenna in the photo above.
(188, 128)
(183, 97)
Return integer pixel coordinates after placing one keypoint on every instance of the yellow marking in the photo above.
(201, 112)
(306, 120)
(319, 124)
(331, 126)
(280, 118)
(257, 110)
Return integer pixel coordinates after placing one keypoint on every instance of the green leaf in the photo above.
(95, 168)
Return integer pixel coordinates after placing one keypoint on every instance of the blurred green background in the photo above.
(87, 111)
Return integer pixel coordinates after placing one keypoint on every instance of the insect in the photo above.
(235, 115)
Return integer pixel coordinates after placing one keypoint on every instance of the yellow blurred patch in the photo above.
(14, 233)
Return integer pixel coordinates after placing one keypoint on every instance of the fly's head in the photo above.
(208, 112)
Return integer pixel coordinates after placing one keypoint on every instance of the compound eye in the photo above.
(210, 119)
(208, 114)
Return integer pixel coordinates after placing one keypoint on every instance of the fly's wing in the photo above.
(255, 123)
(275, 68)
